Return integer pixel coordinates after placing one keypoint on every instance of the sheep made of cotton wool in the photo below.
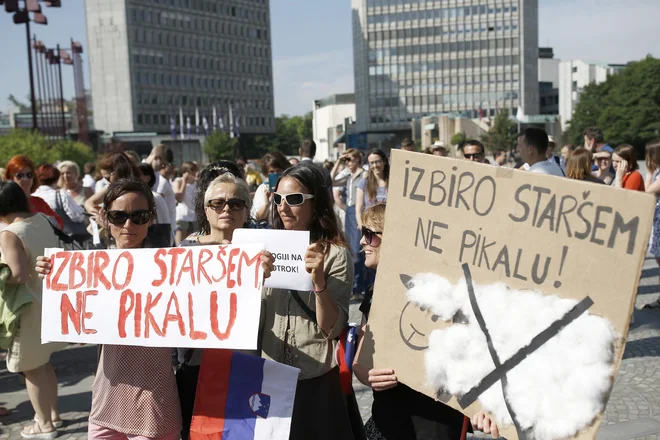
(555, 392)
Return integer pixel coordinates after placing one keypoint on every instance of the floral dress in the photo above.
(654, 245)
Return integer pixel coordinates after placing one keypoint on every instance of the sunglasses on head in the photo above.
(219, 204)
(140, 217)
(28, 175)
(293, 199)
(369, 235)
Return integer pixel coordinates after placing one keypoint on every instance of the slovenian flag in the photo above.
(242, 397)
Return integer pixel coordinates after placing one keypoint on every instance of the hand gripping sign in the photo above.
(507, 291)
(205, 296)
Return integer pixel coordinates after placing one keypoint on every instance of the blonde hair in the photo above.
(243, 188)
(67, 164)
(375, 216)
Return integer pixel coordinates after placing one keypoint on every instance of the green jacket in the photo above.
(12, 303)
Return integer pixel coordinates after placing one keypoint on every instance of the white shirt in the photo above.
(346, 180)
(164, 188)
(185, 210)
(89, 182)
(101, 185)
(547, 167)
(162, 213)
(260, 199)
(74, 211)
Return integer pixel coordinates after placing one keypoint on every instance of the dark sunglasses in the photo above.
(20, 176)
(369, 235)
(219, 204)
(293, 199)
(140, 217)
(473, 156)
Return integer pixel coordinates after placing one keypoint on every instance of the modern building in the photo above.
(413, 59)
(330, 118)
(573, 77)
(548, 82)
(150, 58)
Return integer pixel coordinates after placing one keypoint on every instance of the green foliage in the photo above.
(289, 134)
(458, 138)
(23, 107)
(626, 106)
(502, 133)
(220, 146)
(39, 149)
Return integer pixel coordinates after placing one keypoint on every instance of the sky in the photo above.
(312, 43)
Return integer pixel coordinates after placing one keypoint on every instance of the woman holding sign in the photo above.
(25, 237)
(300, 327)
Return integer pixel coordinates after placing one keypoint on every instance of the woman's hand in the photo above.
(314, 259)
(621, 170)
(267, 263)
(381, 380)
(43, 267)
(482, 422)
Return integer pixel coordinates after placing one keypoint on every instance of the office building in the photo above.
(330, 118)
(413, 59)
(148, 58)
(548, 82)
(573, 77)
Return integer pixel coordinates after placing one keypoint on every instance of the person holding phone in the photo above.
(272, 166)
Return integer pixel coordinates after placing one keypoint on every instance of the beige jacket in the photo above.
(290, 337)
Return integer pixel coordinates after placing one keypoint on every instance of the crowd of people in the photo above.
(127, 202)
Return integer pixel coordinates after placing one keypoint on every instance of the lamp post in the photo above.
(22, 16)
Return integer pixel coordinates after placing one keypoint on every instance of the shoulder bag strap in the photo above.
(309, 312)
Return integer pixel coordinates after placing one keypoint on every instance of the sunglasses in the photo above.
(293, 199)
(21, 176)
(140, 217)
(369, 235)
(473, 156)
(219, 204)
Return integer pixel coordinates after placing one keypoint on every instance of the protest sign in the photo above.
(204, 296)
(288, 248)
(455, 314)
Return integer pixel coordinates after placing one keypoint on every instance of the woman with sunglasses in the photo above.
(395, 404)
(300, 326)
(21, 170)
(21, 241)
(373, 189)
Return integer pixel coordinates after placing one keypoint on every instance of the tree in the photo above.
(220, 146)
(39, 149)
(502, 133)
(23, 108)
(458, 138)
(626, 106)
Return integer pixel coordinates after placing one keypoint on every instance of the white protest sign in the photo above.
(204, 296)
(289, 249)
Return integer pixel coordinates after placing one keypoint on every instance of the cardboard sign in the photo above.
(477, 231)
(289, 248)
(204, 296)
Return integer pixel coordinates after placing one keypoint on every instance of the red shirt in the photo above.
(38, 204)
(634, 181)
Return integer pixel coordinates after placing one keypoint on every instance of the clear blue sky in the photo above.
(312, 42)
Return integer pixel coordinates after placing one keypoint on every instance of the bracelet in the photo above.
(320, 290)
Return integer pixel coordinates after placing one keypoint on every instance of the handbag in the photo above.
(78, 230)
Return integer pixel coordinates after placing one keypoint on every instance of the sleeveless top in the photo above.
(185, 210)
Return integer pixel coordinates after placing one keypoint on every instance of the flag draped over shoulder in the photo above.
(242, 397)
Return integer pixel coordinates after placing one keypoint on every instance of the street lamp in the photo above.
(22, 15)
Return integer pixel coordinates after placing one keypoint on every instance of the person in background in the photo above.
(272, 165)
(373, 188)
(307, 151)
(408, 145)
(185, 188)
(2, 174)
(49, 176)
(624, 161)
(653, 187)
(579, 166)
(474, 151)
(594, 141)
(439, 149)
(346, 177)
(533, 147)
(566, 150)
(550, 153)
(88, 180)
(21, 170)
(21, 242)
(294, 161)
(252, 176)
(71, 183)
(113, 167)
(499, 156)
(603, 160)
(159, 160)
(148, 176)
(300, 326)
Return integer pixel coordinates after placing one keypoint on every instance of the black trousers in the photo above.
(186, 383)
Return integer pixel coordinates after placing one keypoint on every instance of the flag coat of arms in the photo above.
(243, 397)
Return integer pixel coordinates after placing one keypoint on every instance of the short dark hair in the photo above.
(89, 168)
(308, 148)
(474, 142)
(628, 153)
(274, 159)
(407, 143)
(498, 151)
(125, 186)
(596, 134)
(48, 174)
(120, 165)
(169, 155)
(148, 170)
(12, 199)
(243, 158)
(536, 138)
